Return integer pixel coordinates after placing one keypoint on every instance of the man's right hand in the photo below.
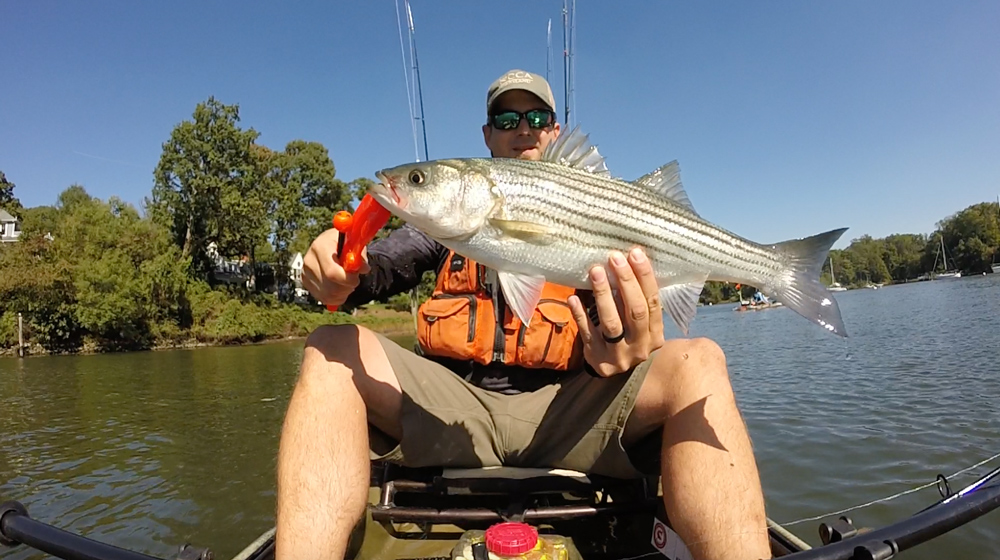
(322, 274)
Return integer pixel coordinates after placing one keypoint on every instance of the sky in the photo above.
(787, 118)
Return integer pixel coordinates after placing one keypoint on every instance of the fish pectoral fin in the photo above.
(522, 293)
(525, 231)
(666, 182)
(680, 302)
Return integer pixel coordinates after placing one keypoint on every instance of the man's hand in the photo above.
(323, 276)
(629, 332)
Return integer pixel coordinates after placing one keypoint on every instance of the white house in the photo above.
(295, 274)
(229, 271)
(10, 227)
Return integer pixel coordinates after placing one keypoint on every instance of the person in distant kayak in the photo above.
(583, 386)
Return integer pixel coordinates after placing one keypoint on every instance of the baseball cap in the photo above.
(520, 79)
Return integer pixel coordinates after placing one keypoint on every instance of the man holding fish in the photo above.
(543, 343)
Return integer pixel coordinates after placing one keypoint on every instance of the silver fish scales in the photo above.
(552, 220)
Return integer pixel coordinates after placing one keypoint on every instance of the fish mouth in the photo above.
(386, 190)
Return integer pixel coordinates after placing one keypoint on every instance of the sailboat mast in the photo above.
(944, 255)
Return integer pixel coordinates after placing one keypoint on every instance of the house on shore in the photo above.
(10, 227)
(295, 275)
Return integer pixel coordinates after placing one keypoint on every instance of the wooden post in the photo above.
(20, 336)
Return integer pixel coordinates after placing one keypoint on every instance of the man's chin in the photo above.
(531, 154)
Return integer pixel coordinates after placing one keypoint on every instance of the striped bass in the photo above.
(553, 220)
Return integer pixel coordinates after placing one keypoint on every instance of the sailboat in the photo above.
(995, 266)
(946, 274)
(835, 286)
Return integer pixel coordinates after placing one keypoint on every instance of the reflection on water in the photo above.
(151, 450)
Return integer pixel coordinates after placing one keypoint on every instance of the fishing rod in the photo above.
(970, 503)
(17, 528)
(948, 497)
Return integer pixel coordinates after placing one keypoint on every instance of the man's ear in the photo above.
(487, 134)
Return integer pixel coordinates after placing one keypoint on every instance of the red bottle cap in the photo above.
(511, 538)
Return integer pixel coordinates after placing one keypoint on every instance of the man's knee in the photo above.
(334, 351)
(340, 357)
(690, 360)
(335, 342)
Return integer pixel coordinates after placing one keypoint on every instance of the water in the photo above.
(152, 450)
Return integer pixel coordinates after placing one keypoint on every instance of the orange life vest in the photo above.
(459, 321)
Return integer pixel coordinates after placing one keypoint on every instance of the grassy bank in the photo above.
(230, 322)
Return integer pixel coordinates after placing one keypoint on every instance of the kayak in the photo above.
(443, 514)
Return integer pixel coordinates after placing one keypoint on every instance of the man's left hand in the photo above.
(629, 332)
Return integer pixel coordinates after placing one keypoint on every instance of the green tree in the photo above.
(72, 197)
(106, 274)
(902, 254)
(206, 166)
(7, 200)
(865, 254)
(971, 237)
(39, 221)
(246, 204)
(846, 264)
(38, 284)
(307, 194)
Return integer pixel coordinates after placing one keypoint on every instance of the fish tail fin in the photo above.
(798, 285)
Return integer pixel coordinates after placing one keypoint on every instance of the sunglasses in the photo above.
(510, 120)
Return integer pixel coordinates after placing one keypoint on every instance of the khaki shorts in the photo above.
(576, 423)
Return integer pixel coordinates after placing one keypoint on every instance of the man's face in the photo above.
(522, 142)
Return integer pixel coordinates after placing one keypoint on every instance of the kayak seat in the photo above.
(478, 497)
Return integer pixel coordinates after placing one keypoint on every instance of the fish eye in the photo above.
(416, 177)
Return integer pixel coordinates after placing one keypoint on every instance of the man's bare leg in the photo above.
(323, 463)
(711, 486)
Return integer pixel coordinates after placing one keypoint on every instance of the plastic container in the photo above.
(512, 541)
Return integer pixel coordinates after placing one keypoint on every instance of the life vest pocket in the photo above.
(447, 325)
(460, 278)
(550, 341)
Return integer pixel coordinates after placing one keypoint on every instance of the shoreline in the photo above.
(90, 348)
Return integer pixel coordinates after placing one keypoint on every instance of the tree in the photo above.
(206, 167)
(7, 200)
(902, 253)
(307, 194)
(127, 275)
(971, 237)
(246, 202)
(865, 254)
(36, 283)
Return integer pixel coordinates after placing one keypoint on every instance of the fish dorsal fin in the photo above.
(666, 182)
(575, 150)
(522, 293)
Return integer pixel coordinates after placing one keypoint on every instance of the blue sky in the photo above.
(787, 118)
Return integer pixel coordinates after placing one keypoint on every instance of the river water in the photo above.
(154, 449)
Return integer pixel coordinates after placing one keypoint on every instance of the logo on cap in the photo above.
(516, 77)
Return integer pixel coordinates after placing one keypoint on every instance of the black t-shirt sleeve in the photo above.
(397, 262)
